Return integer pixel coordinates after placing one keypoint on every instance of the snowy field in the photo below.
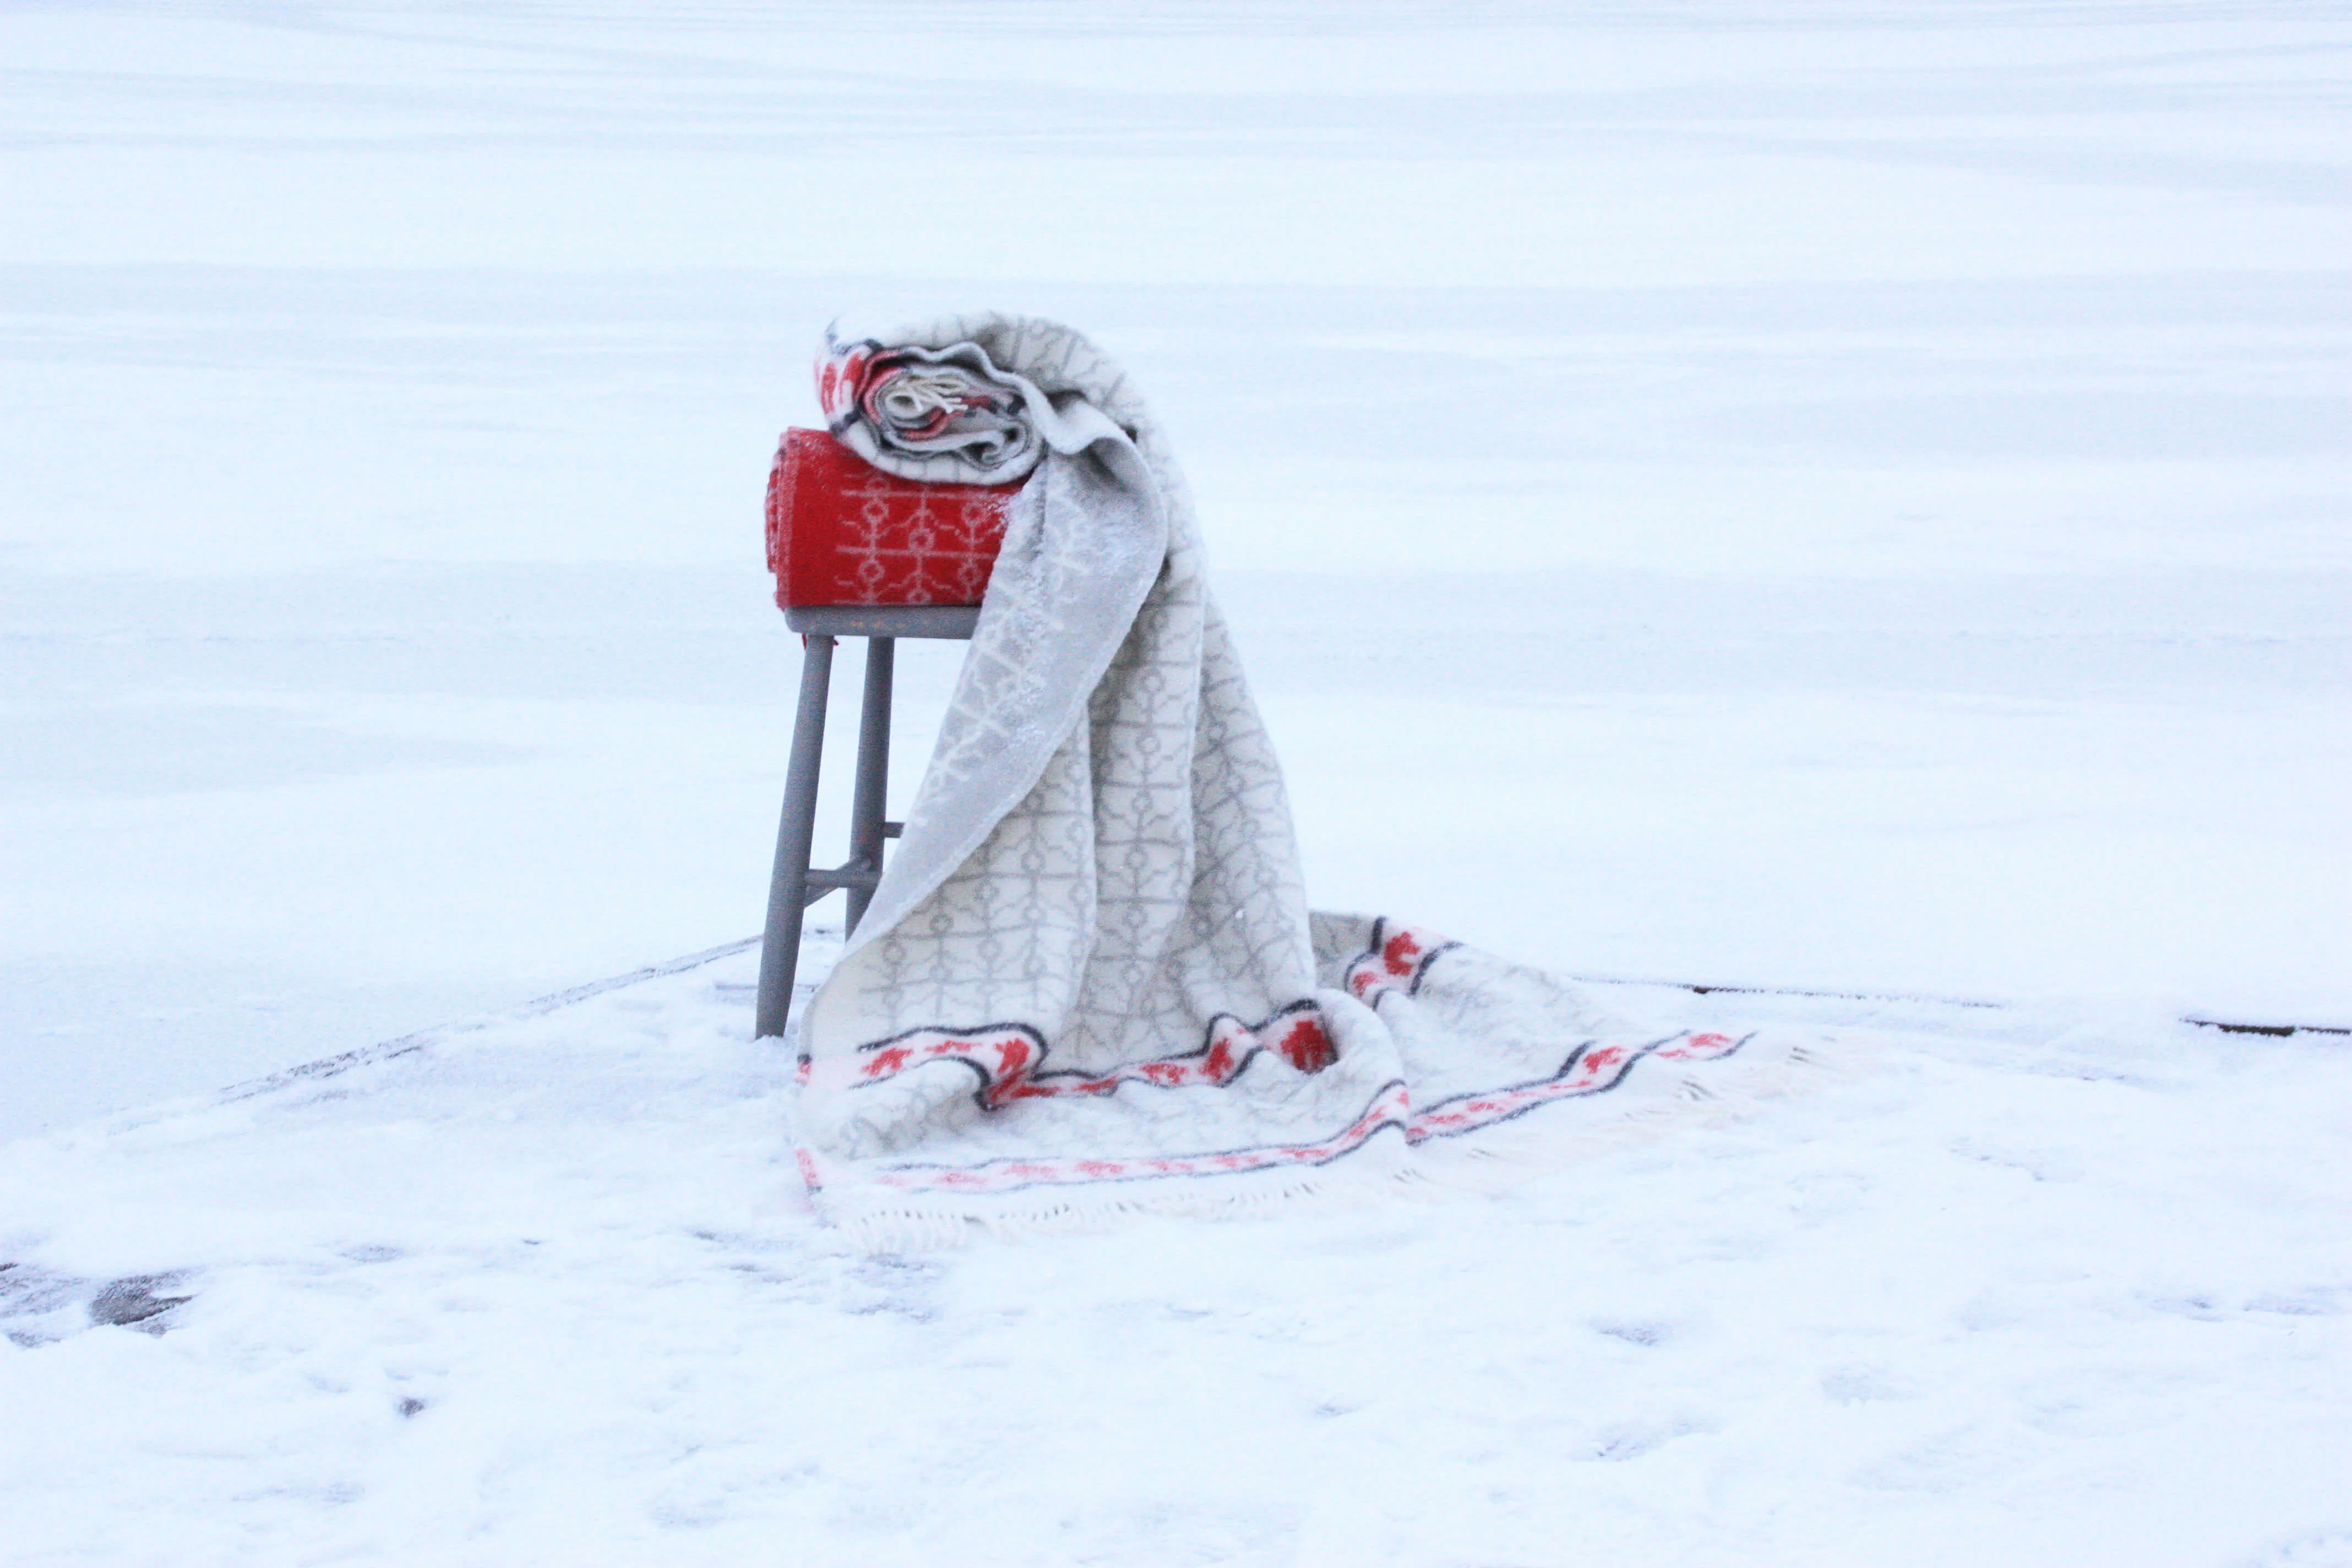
(1839, 495)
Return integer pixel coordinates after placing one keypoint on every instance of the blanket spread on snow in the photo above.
(1089, 979)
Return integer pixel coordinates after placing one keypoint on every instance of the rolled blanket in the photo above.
(1089, 980)
(946, 414)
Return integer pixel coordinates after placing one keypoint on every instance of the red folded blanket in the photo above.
(842, 531)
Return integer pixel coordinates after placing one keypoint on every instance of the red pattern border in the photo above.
(1008, 1059)
(1591, 1069)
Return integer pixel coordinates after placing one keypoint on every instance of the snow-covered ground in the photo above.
(1842, 495)
(2037, 1291)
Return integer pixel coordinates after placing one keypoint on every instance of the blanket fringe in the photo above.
(901, 1223)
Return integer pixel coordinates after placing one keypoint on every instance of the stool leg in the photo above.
(780, 949)
(869, 802)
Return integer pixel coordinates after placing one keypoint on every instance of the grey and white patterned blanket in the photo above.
(1089, 980)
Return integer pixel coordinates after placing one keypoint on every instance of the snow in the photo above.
(1844, 495)
(546, 1288)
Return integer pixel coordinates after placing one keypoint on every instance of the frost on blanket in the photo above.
(1089, 979)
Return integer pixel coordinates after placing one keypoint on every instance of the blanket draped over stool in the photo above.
(1089, 979)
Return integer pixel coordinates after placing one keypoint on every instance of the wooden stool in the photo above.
(856, 553)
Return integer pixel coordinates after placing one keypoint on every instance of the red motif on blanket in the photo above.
(840, 379)
(1009, 1061)
(1397, 959)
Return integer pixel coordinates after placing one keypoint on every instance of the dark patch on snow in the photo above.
(136, 1300)
(30, 1294)
(2277, 1031)
(887, 1282)
(44, 1304)
(24, 1289)
(1636, 1334)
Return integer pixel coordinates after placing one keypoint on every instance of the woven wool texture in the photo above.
(842, 531)
(1089, 980)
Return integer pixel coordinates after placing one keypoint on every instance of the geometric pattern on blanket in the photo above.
(1089, 980)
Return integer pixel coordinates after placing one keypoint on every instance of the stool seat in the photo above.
(856, 553)
(945, 621)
